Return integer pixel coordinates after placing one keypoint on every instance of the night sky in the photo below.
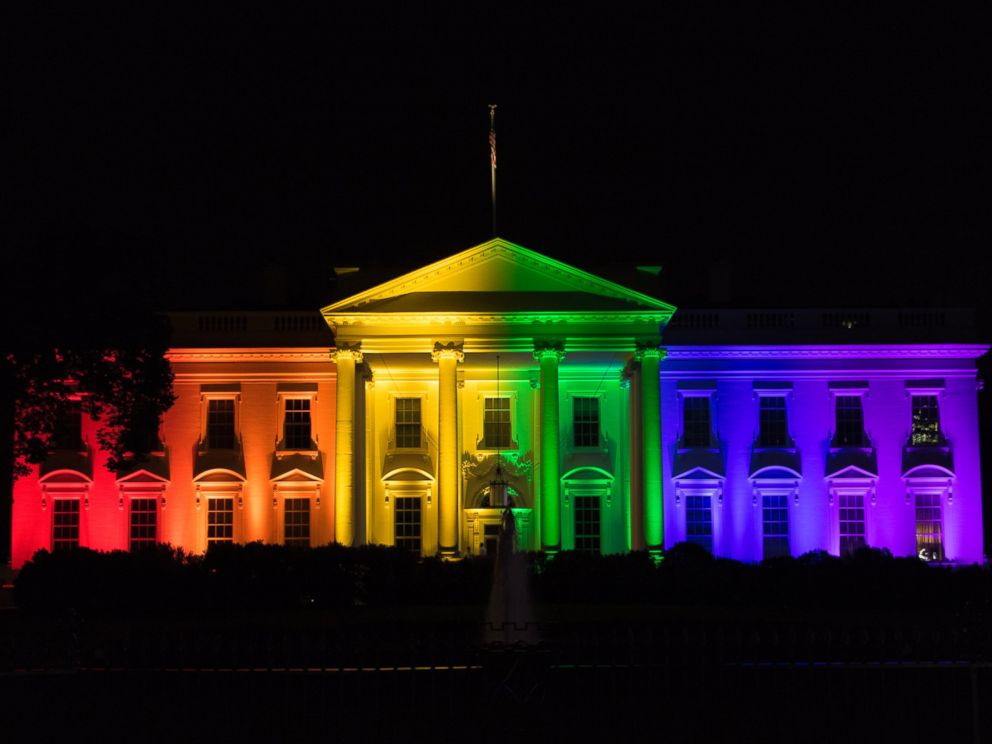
(231, 158)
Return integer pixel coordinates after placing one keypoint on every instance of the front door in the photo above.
(481, 530)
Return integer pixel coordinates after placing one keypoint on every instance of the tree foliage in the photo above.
(127, 388)
(87, 332)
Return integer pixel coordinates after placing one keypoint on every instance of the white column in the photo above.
(549, 355)
(447, 357)
(346, 357)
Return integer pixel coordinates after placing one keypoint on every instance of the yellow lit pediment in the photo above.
(497, 277)
(497, 296)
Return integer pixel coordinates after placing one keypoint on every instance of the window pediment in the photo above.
(845, 459)
(587, 475)
(219, 460)
(142, 476)
(408, 466)
(938, 457)
(694, 460)
(220, 475)
(61, 461)
(587, 466)
(66, 476)
(699, 474)
(851, 472)
(772, 459)
(297, 466)
(775, 473)
(928, 472)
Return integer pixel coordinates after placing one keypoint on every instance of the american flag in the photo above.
(492, 147)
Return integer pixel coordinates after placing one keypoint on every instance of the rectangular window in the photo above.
(850, 422)
(696, 421)
(408, 423)
(699, 521)
(296, 427)
(774, 429)
(585, 422)
(587, 521)
(929, 527)
(68, 434)
(297, 529)
(852, 522)
(775, 521)
(926, 421)
(496, 423)
(220, 520)
(143, 527)
(220, 423)
(65, 524)
(408, 523)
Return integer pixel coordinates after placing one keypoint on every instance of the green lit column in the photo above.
(650, 357)
(447, 357)
(345, 357)
(549, 355)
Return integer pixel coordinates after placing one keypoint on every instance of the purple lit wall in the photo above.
(736, 474)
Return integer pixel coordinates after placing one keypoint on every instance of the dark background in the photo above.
(226, 156)
(229, 157)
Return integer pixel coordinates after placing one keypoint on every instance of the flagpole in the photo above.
(492, 159)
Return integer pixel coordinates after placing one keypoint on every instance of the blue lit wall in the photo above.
(809, 378)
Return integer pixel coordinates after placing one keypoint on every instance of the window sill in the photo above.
(288, 452)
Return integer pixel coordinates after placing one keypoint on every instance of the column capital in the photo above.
(450, 350)
(544, 349)
(649, 350)
(347, 351)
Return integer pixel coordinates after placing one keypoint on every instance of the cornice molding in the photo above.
(516, 319)
(497, 247)
(267, 354)
(832, 375)
(892, 351)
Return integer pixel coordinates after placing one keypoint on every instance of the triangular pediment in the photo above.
(698, 474)
(297, 466)
(142, 475)
(297, 476)
(851, 472)
(497, 276)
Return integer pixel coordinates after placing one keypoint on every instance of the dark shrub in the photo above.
(258, 576)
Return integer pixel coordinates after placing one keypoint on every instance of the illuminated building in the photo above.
(751, 433)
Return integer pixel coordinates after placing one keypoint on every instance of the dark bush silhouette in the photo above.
(258, 576)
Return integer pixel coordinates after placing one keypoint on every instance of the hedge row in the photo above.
(271, 576)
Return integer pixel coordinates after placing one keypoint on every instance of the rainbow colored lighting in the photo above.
(406, 420)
